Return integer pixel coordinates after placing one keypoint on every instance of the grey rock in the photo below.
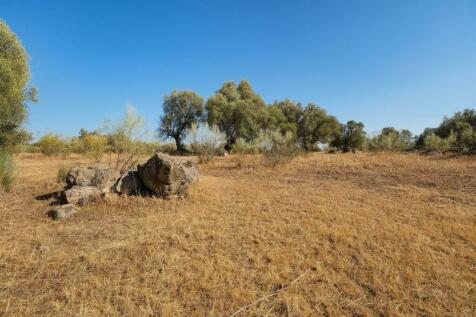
(167, 177)
(81, 195)
(63, 211)
(129, 184)
(104, 178)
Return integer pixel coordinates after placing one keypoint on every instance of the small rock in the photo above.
(63, 211)
(81, 195)
(42, 248)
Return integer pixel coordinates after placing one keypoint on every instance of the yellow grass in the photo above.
(367, 235)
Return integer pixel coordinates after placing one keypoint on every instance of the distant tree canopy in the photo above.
(457, 133)
(238, 112)
(350, 137)
(391, 139)
(14, 92)
(316, 126)
(181, 110)
(285, 116)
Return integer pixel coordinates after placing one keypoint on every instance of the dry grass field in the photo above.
(326, 235)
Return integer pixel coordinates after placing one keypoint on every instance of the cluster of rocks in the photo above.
(160, 176)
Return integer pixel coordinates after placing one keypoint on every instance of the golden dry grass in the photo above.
(374, 235)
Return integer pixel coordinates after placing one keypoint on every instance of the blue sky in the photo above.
(387, 63)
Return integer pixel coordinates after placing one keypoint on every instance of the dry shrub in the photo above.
(61, 174)
(206, 142)
(168, 148)
(123, 139)
(274, 147)
(277, 149)
(94, 146)
(248, 160)
(51, 144)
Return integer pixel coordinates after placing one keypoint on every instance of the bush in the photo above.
(391, 139)
(206, 142)
(277, 149)
(51, 144)
(62, 173)
(147, 148)
(7, 168)
(242, 147)
(123, 137)
(432, 142)
(94, 146)
(168, 148)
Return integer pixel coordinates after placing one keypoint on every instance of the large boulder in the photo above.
(167, 177)
(130, 184)
(101, 177)
(81, 195)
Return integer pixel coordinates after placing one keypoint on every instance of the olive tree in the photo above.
(391, 139)
(462, 125)
(181, 110)
(14, 90)
(350, 137)
(285, 116)
(316, 126)
(237, 111)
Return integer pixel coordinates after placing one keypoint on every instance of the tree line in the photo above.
(241, 114)
(237, 112)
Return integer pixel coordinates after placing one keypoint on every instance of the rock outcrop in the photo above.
(161, 176)
(167, 177)
(101, 177)
(129, 184)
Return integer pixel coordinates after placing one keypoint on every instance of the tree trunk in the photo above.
(179, 144)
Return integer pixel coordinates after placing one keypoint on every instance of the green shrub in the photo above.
(242, 147)
(7, 168)
(277, 149)
(51, 144)
(432, 142)
(391, 139)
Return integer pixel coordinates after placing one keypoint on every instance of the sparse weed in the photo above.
(61, 174)
(7, 167)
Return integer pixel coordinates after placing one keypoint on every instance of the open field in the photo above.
(327, 235)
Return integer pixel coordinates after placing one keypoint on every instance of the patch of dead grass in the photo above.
(384, 234)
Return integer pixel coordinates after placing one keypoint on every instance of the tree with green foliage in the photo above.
(463, 126)
(351, 137)
(285, 116)
(14, 90)
(238, 112)
(391, 139)
(316, 126)
(181, 110)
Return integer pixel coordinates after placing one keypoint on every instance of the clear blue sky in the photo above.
(386, 63)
